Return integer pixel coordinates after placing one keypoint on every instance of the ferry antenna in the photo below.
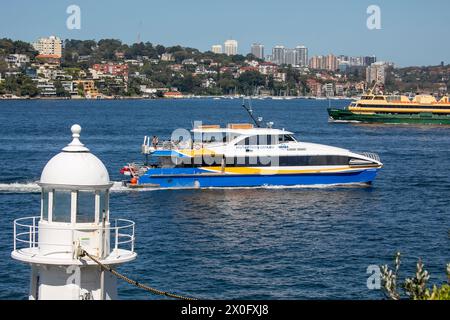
(249, 110)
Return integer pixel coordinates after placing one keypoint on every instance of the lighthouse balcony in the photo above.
(39, 242)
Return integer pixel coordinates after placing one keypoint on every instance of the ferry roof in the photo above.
(251, 131)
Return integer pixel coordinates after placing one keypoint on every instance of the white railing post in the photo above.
(116, 245)
(132, 240)
(15, 235)
(30, 236)
(34, 232)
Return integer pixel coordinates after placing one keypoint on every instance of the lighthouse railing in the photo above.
(26, 232)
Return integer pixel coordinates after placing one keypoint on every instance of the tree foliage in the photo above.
(20, 86)
(414, 288)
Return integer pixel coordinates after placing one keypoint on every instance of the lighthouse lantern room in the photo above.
(74, 216)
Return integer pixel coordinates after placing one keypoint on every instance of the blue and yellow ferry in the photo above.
(242, 155)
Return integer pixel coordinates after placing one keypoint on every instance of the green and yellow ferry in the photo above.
(377, 108)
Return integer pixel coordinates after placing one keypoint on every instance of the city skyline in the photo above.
(326, 27)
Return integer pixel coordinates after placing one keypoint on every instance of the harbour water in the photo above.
(253, 243)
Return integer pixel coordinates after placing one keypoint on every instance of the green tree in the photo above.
(249, 81)
(8, 46)
(60, 91)
(228, 85)
(160, 49)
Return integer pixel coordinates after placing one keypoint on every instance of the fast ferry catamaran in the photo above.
(247, 155)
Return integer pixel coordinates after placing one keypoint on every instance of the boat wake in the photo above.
(313, 186)
(20, 187)
(33, 187)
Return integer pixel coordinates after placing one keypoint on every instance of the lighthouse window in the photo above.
(103, 204)
(61, 206)
(44, 205)
(85, 207)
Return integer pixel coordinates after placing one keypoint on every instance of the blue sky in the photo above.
(413, 32)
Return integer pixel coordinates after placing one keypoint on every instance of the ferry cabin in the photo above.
(401, 104)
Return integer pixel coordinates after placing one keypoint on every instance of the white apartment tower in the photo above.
(51, 46)
(279, 55)
(302, 56)
(231, 47)
(217, 48)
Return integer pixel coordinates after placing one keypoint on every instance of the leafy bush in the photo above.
(415, 288)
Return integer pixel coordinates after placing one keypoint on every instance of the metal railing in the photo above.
(26, 231)
(371, 155)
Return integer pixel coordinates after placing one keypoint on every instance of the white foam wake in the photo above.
(33, 187)
(20, 187)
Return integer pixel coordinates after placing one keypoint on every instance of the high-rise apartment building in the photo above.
(257, 50)
(317, 62)
(290, 56)
(279, 55)
(369, 60)
(217, 48)
(331, 63)
(296, 57)
(49, 46)
(376, 72)
(302, 56)
(231, 47)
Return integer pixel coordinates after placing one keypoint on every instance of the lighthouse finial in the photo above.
(76, 130)
(76, 145)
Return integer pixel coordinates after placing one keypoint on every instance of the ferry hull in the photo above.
(419, 118)
(247, 180)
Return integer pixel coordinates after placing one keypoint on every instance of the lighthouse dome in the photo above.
(75, 166)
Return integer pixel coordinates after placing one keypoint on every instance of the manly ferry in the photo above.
(397, 109)
(247, 155)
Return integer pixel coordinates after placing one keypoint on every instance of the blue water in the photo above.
(296, 243)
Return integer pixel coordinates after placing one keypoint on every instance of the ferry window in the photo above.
(44, 200)
(263, 140)
(313, 160)
(231, 136)
(61, 206)
(286, 138)
(249, 141)
(85, 206)
(212, 137)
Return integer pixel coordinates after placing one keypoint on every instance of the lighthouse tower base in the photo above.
(55, 282)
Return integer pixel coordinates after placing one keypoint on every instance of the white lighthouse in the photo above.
(74, 215)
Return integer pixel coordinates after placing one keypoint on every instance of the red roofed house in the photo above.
(245, 69)
(268, 68)
(112, 68)
(49, 58)
(173, 94)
